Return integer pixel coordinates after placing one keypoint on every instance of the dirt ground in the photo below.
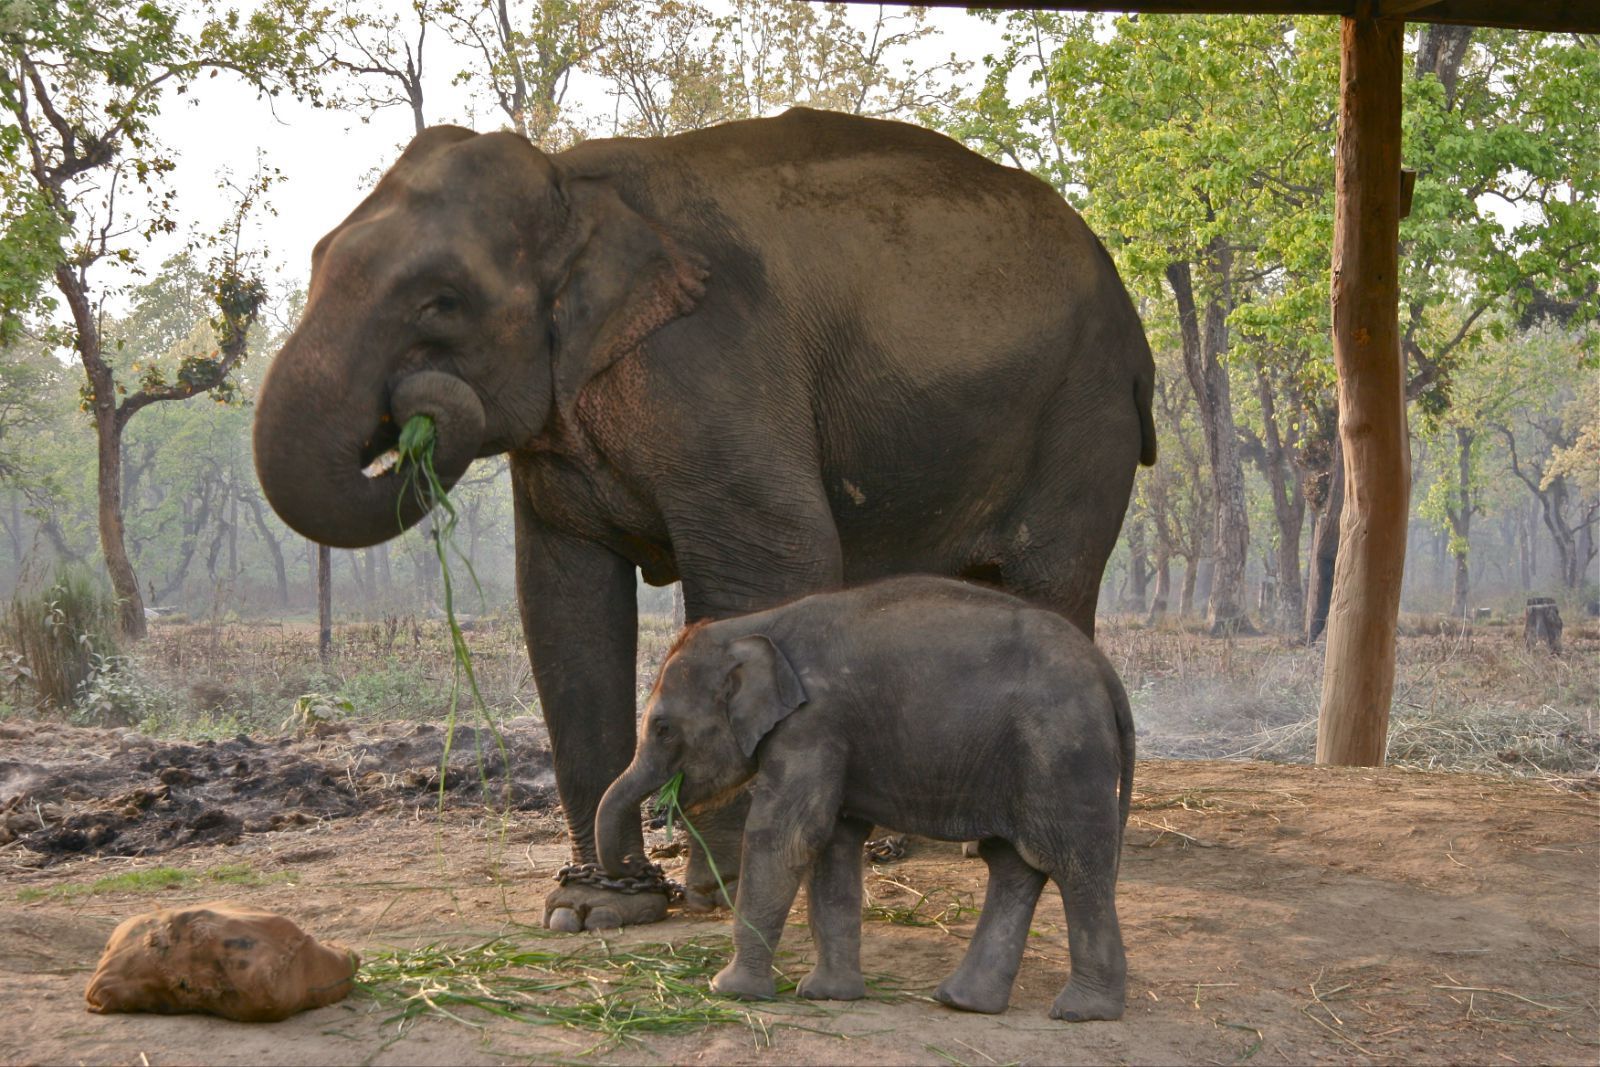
(1274, 914)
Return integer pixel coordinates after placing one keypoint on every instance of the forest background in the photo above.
(144, 286)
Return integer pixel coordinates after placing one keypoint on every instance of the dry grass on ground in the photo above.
(1465, 699)
(1472, 699)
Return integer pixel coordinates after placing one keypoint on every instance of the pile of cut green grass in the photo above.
(617, 993)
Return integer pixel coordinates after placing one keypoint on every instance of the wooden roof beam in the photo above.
(1559, 16)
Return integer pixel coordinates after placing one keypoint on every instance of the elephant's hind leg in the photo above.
(983, 981)
(1088, 884)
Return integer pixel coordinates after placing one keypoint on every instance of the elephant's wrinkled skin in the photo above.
(918, 704)
(769, 358)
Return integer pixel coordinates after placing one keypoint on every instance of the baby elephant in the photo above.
(922, 705)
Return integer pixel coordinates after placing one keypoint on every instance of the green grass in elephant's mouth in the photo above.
(667, 804)
(413, 463)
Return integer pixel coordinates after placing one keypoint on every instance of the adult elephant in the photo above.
(767, 358)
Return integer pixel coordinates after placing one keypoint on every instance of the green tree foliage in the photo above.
(675, 65)
(87, 181)
(1505, 221)
(1202, 150)
(525, 53)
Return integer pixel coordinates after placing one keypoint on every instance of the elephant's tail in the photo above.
(1124, 716)
(1144, 387)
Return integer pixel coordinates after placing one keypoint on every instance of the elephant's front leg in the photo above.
(780, 544)
(793, 813)
(580, 618)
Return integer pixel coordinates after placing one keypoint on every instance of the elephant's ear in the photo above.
(627, 280)
(762, 690)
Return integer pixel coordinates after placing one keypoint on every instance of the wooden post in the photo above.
(1358, 676)
(324, 602)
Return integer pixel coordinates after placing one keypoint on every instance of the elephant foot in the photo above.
(987, 998)
(1078, 1004)
(574, 907)
(832, 985)
(735, 981)
(703, 898)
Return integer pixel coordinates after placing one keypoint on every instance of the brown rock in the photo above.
(219, 959)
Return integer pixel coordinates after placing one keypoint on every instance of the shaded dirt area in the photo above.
(1273, 914)
(67, 791)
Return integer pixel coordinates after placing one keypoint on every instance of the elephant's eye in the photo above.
(440, 306)
(662, 728)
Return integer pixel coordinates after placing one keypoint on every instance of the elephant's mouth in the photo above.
(381, 454)
(327, 466)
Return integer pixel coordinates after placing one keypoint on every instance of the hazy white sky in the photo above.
(328, 158)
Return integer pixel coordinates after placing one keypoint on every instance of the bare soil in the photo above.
(1275, 914)
(69, 792)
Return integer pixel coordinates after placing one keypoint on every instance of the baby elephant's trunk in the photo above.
(617, 821)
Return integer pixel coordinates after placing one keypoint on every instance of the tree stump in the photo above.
(1542, 624)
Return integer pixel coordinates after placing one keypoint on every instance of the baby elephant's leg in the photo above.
(983, 981)
(834, 898)
(1088, 884)
(785, 830)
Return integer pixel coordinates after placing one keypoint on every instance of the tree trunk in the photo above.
(14, 528)
(1186, 595)
(1440, 50)
(385, 579)
(1533, 542)
(427, 562)
(1138, 566)
(1202, 359)
(1461, 522)
(1358, 670)
(324, 602)
(109, 422)
(1158, 603)
(1288, 507)
(1524, 557)
(273, 548)
(233, 526)
(197, 512)
(1585, 553)
(1325, 548)
(355, 571)
(113, 537)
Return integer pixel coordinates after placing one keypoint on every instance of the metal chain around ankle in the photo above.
(884, 849)
(652, 880)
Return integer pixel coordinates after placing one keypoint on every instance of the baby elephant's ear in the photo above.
(763, 690)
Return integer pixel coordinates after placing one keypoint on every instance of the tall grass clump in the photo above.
(62, 634)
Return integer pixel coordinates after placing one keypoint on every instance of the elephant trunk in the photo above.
(316, 430)
(616, 824)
